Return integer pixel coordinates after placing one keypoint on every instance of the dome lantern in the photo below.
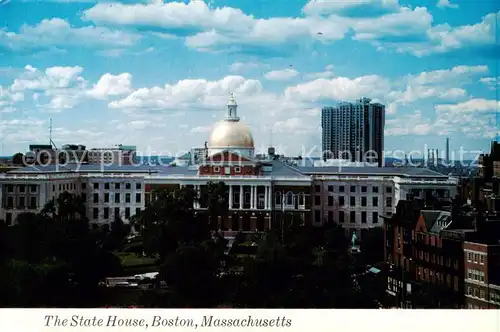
(230, 134)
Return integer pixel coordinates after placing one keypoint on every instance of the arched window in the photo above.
(289, 198)
(277, 198)
(302, 199)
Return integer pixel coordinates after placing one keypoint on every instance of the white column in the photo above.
(230, 196)
(197, 189)
(265, 196)
(241, 197)
(252, 192)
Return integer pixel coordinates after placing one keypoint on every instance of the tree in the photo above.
(216, 197)
(372, 245)
(53, 258)
(116, 236)
(18, 159)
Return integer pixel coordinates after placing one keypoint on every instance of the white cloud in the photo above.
(385, 23)
(239, 67)
(340, 88)
(9, 98)
(111, 85)
(491, 82)
(63, 86)
(56, 32)
(322, 7)
(201, 129)
(470, 106)
(327, 73)
(414, 124)
(281, 75)
(444, 84)
(445, 4)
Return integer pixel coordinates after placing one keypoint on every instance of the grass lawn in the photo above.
(131, 260)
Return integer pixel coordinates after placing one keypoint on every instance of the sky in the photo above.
(157, 74)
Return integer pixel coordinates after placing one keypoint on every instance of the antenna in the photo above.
(51, 142)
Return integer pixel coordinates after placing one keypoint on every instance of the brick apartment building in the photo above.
(482, 268)
(425, 256)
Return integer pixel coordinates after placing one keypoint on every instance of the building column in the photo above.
(256, 194)
(241, 197)
(265, 196)
(252, 196)
(230, 196)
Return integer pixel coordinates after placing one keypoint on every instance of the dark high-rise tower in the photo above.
(354, 131)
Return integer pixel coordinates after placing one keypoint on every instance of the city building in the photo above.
(118, 154)
(354, 131)
(264, 192)
(423, 248)
(482, 267)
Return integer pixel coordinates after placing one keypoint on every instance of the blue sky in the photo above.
(157, 74)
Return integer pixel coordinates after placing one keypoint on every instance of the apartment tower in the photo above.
(354, 131)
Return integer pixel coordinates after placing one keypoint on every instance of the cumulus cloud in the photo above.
(240, 67)
(56, 32)
(446, 4)
(111, 85)
(281, 75)
(384, 23)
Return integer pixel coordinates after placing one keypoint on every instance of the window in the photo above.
(127, 186)
(374, 201)
(317, 200)
(341, 189)
(363, 217)
(388, 201)
(137, 197)
(330, 216)
(106, 213)
(227, 170)
(33, 188)
(482, 294)
(10, 202)
(95, 213)
(388, 190)
(84, 186)
(237, 170)
(330, 200)
(277, 199)
(96, 185)
(10, 188)
(289, 198)
(353, 189)
(137, 211)
(138, 186)
(330, 189)
(363, 201)
(106, 186)
(33, 202)
(352, 201)
(117, 212)
(117, 186)
(302, 199)
(341, 216)
(117, 198)
(375, 190)
(481, 259)
(352, 217)
(127, 198)
(469, 290)
(341, 201)
(216, 169)
(317, 188)
(363, 189)
(96, 197)
(106, 197)
(127, 212)
(317, 216)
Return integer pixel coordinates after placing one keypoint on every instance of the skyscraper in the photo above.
(354, 131)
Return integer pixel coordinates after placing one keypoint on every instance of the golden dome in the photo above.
(230, 134)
